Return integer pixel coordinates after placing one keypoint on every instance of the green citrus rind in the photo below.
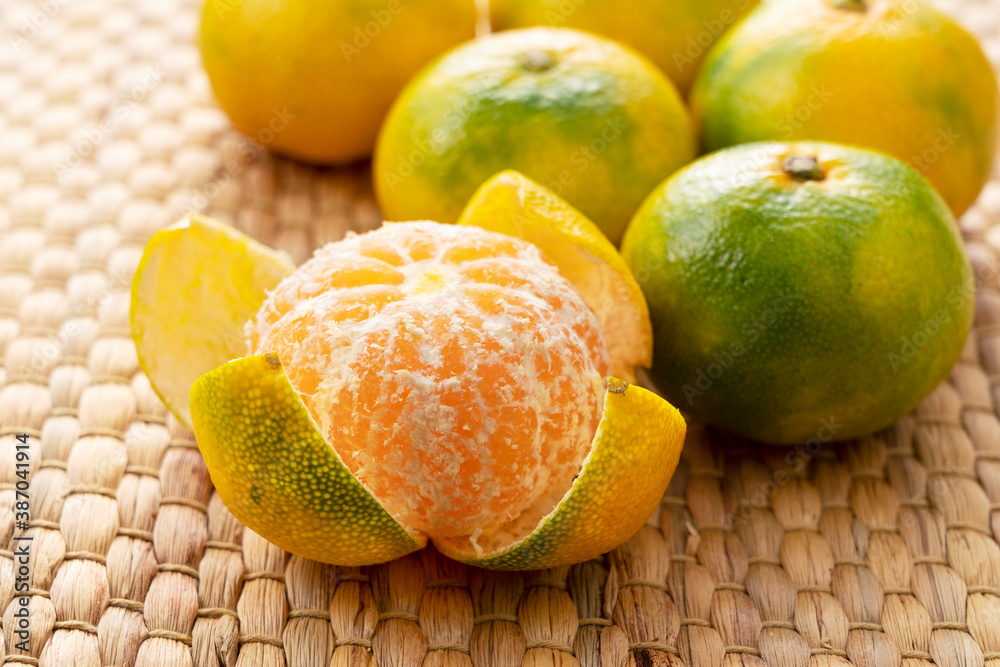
(635, 452)
(582, 114)
(513, 204)
(785, 306)
(197, 283)
(895, 76)
(278, 475)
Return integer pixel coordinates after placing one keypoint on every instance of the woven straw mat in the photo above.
(876, 552)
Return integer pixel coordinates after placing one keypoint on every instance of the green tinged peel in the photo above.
(277, 474)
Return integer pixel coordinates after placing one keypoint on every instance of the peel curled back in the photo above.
(197, 283)
(278, 475)
(635, 452)
(513, 204)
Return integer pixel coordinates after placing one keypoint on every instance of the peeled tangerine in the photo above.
(423, 381)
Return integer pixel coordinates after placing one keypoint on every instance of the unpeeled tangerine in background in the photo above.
(897, 76)
(785, 280)
(676, 35)
(314, 79)
(588, 118)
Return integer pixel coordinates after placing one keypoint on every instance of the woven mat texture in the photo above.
(878, 552)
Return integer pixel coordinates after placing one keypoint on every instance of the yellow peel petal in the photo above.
(635, 452)
(513, 204)
(279, 476)
(198, 282)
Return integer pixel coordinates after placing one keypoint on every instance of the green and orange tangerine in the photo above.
(586, 117)
(896, 76)
(793, 285)
(675, 35)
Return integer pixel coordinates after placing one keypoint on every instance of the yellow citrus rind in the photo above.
(635, 452)
(513, 204)
(279, 476)
(197, 283)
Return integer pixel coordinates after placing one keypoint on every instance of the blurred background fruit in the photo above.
(795, 287)
(675, 35)
(314, 80)
(894, 75)
(587, 118)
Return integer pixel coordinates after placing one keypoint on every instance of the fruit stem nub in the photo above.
(852, 5)
(803, 168)
(536, 60)
(616, 386)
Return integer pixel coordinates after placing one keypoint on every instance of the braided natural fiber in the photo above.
(869, 552)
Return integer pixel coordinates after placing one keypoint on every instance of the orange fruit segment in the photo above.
(459, 376)
(277, 474)
(197, 284)
(631, 461)
(513, 204)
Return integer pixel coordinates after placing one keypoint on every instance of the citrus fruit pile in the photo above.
(466, 375)
(420, 381)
